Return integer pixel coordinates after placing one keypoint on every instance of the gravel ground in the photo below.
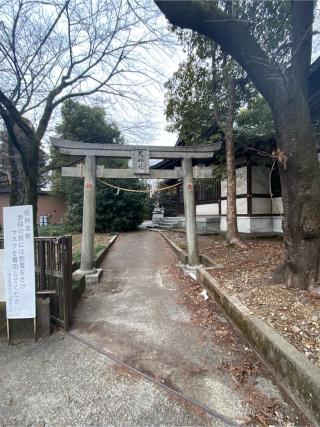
(293, 313)
(62, 382)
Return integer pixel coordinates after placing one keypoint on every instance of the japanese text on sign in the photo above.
(19, 262)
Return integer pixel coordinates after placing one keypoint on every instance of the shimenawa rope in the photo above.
(131, 190)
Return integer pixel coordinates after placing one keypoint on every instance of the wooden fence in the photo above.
(53, 266)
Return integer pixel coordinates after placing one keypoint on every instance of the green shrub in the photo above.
(114, 212)
(56, 230)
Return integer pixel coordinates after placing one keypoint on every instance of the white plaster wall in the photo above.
(224, 207)
(255, 224)
(224, 188)
(277, 205)
(241, 176)
(260, 180)
(208, 209)
(277, 224)
(261, 206)
(2, 284)
(243, 224)
(223, 223)
(261, 224)
(242, 206)
(241, 180)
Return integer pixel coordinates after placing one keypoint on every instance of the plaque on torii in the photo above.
(140, 162)
(140, 168)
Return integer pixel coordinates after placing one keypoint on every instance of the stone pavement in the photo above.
(133, 341)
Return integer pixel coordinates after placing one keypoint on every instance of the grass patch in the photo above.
(76, 256)
(100, 239)
(55, 230)
(182, 246)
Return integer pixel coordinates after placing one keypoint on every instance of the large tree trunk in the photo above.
(287, 95)
(32, 177)
(300, 182)
(232, 227)
(17, 176)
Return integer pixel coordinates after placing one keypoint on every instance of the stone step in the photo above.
(167, 226)
(170, 220)
(199, 219)
(173, 218)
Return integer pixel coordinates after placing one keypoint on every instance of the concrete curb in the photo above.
(79, 284)
(101, 255)
(183, 257)
(292, 370)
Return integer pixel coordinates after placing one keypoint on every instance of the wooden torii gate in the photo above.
(140, 155)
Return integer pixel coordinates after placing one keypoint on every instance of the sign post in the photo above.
(19, 264)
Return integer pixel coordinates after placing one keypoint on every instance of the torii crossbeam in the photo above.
(140, 155)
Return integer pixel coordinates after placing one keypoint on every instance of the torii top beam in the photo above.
(125, 151)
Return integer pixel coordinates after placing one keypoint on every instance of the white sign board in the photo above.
(19, 262)
(2, 283)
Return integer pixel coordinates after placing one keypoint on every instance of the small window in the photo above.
(43, 220)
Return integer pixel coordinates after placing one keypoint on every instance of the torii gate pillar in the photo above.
(89, 216)
(190, 212)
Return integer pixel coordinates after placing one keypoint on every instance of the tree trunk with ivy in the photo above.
(287, 94)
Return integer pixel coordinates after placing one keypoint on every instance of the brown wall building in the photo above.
(54, 208)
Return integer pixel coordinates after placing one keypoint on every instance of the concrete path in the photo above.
(138, 312)
(137, 355)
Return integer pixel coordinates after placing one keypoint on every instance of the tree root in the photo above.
(237, 242)
(279, 275)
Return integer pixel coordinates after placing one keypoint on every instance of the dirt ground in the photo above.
(293, 313)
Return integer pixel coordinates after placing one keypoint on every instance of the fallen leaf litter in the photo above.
(294, 313)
